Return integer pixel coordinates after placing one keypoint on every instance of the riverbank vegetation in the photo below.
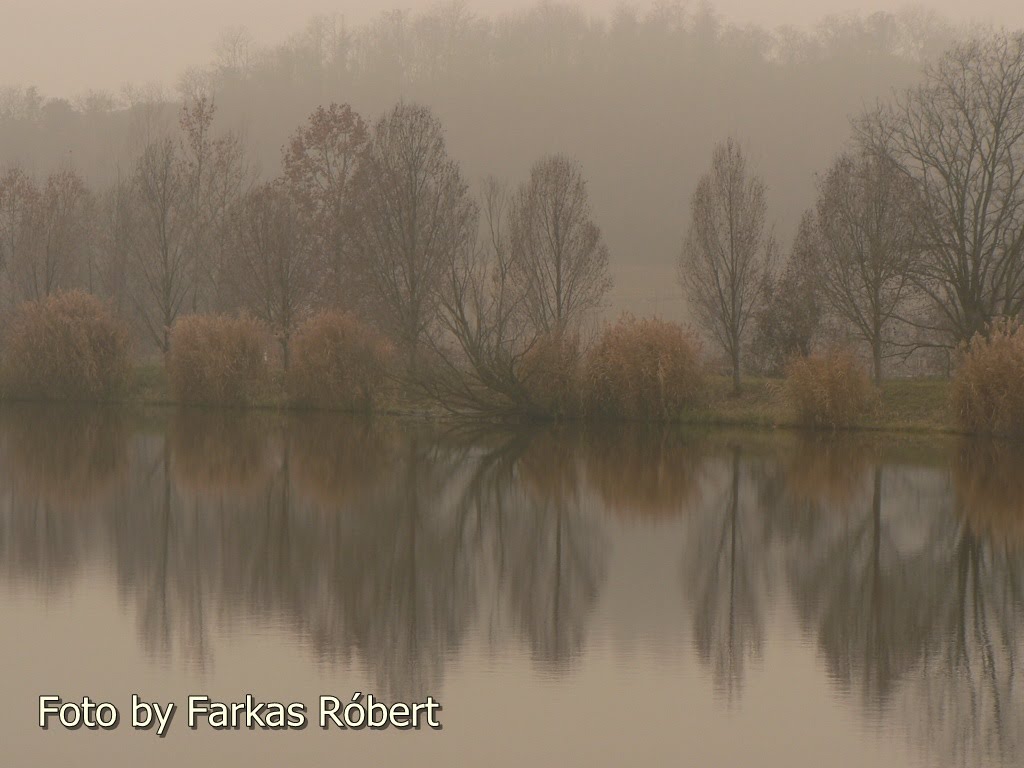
(369, 273)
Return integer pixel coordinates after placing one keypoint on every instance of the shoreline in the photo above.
(906, 406)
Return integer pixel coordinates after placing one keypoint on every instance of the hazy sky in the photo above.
(69, 46)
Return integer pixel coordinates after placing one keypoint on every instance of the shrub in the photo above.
(643, 369)
(217, 360)
(337, 362)
(829, 390)
(68, 346)
(988, 388)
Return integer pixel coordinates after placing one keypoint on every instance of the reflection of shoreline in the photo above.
(643, 471)
(387, 546)
(63, 455)
(988, 478)
(219, 451)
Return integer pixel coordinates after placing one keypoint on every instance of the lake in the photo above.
(611, 596)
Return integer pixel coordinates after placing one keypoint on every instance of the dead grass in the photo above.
(643, 368)
(988, 388)
(831, 390)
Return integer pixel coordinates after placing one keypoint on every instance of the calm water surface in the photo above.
(623, 597)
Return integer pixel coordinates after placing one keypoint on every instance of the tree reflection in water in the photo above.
(725, 572)
(386, 545)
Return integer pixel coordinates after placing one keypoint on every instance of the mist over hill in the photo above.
(639, 98)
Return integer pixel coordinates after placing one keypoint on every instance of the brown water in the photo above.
(623, 597)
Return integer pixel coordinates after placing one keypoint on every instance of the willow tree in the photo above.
(728, 252)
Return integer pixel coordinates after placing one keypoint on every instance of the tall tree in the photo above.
(162, 256)
(960, 138)
(727, 253)
(790, 320)
(867, 245)
(18, 204)
(559, 258)
(276, 272)
(52, 240)
(414, 214)
(320, 163)
(216, 175)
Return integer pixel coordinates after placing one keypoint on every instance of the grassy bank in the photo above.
(906, 405)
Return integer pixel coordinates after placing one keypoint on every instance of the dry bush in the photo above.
(643, 369)
(988, 388)
(218, 360)
(549, 376)
(829, 390)
(988, 479)
(68, 346)
(338, 362)
(643, 471)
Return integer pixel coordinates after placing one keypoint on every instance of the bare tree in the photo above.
(161, 250)
(52, 237)
(559, 258)
(414, 214)
(727, 253)
(216, 175)
(790, 320)
(867, 245)
(18, 203)
(320, 163)
(115, 229)
(960, 138)
(486, 334)
(276, 272)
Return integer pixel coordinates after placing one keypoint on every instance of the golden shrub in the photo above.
(829, 390)
(68, 346)
(643, 369)
(988, 387)
(338, 362)
(218, 360)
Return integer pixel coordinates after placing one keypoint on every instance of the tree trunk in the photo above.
(736, 372)
(876, 360)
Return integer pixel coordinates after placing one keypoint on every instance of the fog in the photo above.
(638, 96)
(66, 47)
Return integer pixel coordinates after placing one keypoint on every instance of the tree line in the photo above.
(914, 242)
(639, 97)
